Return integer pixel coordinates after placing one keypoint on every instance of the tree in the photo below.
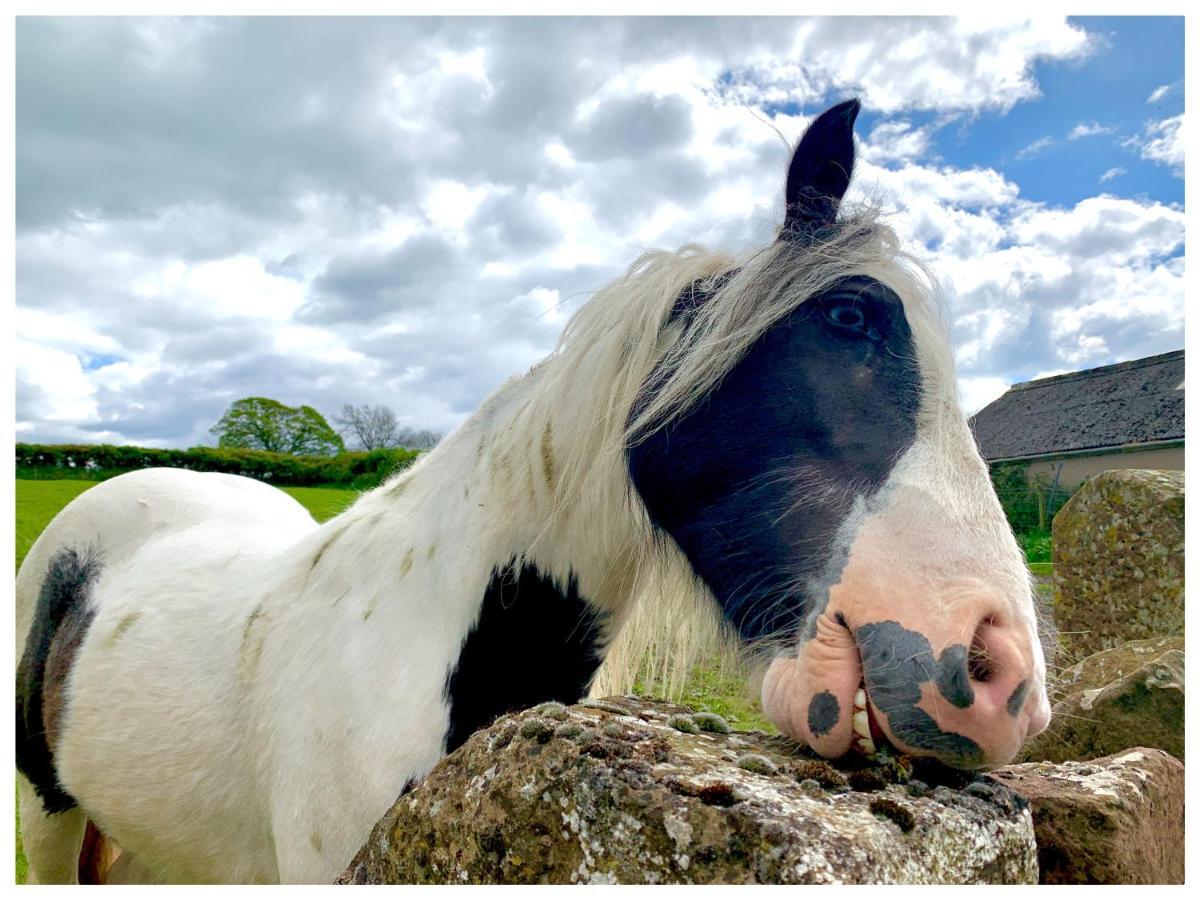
(260, 423)
(374, 427)
(424, 439)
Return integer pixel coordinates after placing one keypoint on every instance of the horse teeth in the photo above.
(860, 699)
(862, 725)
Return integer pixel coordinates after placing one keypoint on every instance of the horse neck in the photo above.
(503, 488)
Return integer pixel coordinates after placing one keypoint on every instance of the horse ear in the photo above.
(820, 171)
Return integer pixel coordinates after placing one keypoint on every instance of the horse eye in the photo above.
(846, 316)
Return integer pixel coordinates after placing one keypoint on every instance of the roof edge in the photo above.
(1106, 450)
(1128, 365)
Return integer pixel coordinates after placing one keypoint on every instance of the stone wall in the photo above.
(634, 791)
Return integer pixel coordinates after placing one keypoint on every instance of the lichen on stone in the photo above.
(611, 805)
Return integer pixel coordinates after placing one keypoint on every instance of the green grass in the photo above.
(39, 501)
(712, 690)
(1041, 568)
(1035, 545)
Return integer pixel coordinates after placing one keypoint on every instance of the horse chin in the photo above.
(816, 697)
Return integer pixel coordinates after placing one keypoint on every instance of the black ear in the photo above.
(820, 171)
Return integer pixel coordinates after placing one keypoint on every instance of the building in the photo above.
(1071, 427)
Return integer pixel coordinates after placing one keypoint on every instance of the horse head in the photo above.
(825, 488)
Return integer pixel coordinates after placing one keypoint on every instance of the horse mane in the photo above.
(624, 368)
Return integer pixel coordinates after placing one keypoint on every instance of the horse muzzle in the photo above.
(966, 695)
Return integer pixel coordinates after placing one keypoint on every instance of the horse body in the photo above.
(247, 713)
(231, 692)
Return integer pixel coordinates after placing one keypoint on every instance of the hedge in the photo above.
(359, 470)
(1029, 506)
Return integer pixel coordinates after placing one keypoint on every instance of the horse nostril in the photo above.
(980, 664)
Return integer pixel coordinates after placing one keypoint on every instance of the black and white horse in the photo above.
(230, 692)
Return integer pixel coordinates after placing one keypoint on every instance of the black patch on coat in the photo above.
(896, 662)
(823, 713)
(60, 622)
(954, 680)
(534, 641)
(828, 398)
(1016, 700)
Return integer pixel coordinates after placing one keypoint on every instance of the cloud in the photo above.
(1089, 129)
(1162, 142)
(1035, 148)
(1110, 174)
(895, 141)
(405, 211)
(1160, 93)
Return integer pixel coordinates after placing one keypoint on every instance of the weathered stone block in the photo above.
(1118, 560)
(1132, 695)
(615, 793)
(1116, 820)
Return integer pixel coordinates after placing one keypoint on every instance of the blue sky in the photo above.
(1109, 89)
(405, 211)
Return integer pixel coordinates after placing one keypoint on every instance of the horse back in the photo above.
(116, 518)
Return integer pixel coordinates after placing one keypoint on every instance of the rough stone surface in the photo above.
(616, 792)
(1115, 820)
(1129, 696)
(1118, 560)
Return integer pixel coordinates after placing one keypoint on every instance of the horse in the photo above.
(214, 688)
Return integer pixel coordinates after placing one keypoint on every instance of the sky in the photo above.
(406, 211)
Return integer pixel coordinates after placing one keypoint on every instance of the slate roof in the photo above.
(1133, 402)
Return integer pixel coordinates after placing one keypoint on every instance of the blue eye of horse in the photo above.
(847, 316)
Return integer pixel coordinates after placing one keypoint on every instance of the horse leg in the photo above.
(127, 870)
(52, 842)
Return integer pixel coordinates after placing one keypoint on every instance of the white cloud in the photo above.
(1162, 142)
(1110, 174)
(1089, 129)
(896, 140)
(974, 393)
(1160, 93)
(1033, 149)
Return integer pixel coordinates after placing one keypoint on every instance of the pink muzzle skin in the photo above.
(965, 694)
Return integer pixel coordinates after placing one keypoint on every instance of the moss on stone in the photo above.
(684, 723)
(711, 722)
(887, 808)
(757, 763)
